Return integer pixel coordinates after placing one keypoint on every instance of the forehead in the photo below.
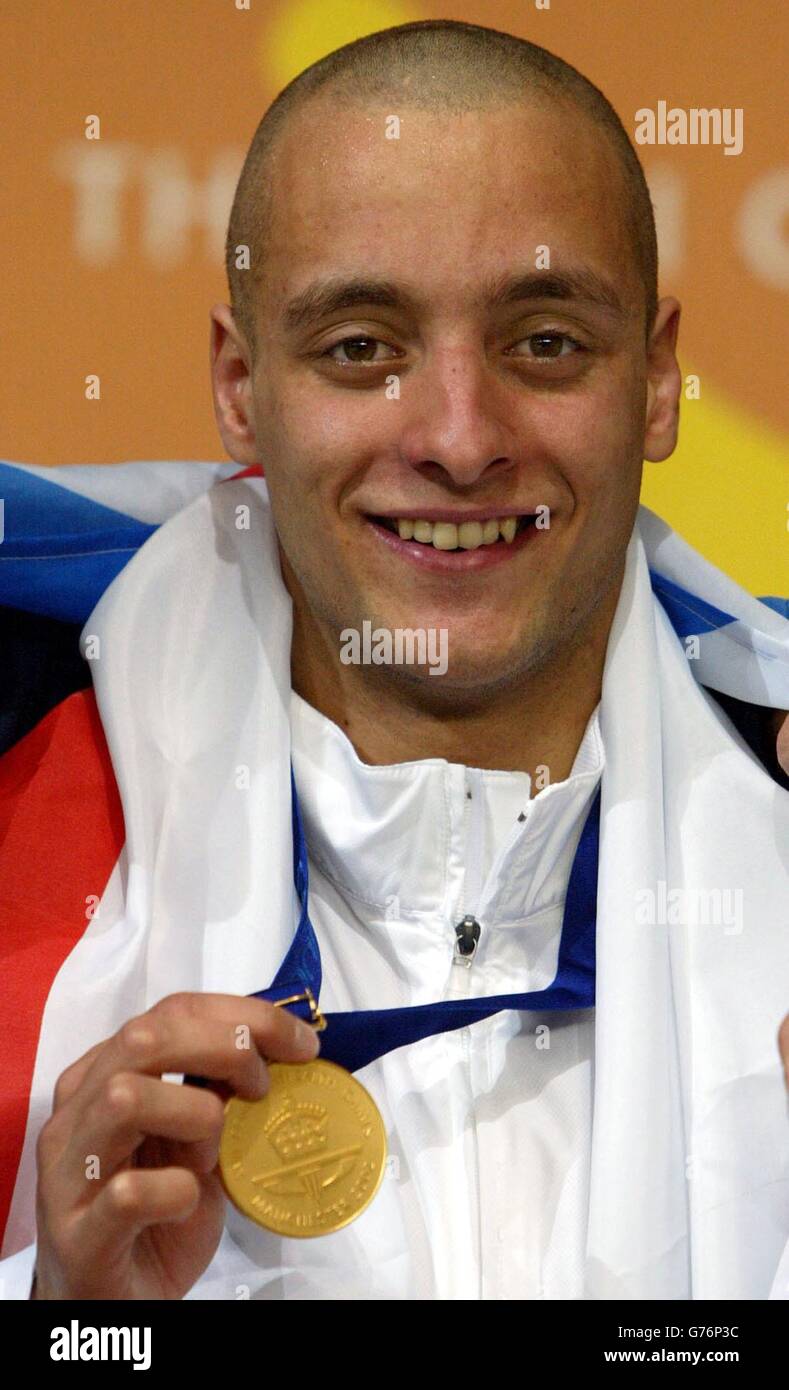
(458, 197)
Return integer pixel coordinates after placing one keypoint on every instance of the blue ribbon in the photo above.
(355, 1039)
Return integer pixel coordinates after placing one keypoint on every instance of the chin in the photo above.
(468, 675)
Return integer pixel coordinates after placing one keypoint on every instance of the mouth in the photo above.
(446, 544)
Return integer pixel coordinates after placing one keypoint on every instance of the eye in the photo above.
(547, 346)
(358, 350)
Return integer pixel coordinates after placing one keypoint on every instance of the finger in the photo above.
(71, 1079)
(133, 1200)
(125, 1111)
(221, 1037)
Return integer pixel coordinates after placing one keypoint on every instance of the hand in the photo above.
(783, 1047)
(782, 738)
(148, 1224)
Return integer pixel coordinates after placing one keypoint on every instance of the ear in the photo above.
(231, 382)
(664, 383)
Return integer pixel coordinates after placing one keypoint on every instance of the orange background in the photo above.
(113, 248)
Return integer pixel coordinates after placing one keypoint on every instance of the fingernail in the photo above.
(307, 1040)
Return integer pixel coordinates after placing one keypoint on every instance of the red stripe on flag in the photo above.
(255, 470)
(61, 831)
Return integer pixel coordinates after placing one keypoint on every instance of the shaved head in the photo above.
(440, 65)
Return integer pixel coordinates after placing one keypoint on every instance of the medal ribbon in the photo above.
(356, 1038)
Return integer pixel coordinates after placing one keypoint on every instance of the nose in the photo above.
(456, 427)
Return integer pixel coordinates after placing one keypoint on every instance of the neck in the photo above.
(534, 725)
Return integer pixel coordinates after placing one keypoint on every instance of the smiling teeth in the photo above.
(469, 535)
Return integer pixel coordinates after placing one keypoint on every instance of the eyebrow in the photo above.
(329, 296)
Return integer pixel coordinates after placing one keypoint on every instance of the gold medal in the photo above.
(307, 1158)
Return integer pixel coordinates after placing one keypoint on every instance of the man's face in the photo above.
(455, 400)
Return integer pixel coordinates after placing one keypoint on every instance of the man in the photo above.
(448, 354)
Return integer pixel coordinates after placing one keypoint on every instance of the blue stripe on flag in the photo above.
(688, 613)
(779, 605)
(60, 550)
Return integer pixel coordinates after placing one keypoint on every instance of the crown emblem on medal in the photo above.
(298, 1130)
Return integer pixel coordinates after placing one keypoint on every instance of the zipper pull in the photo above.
(467, 933)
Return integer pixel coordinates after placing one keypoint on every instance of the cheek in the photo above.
(314, 448)
(594, 436)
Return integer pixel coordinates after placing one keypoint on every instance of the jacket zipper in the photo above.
(468, 930)
(467, 934)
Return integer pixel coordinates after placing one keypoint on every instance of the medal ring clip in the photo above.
(317, 1021)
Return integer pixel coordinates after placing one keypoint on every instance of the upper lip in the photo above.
(447, 514)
